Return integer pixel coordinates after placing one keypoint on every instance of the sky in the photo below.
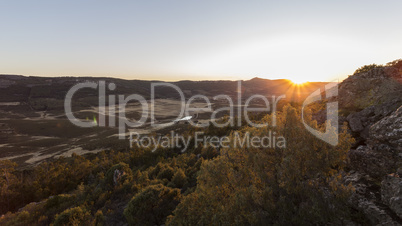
(198, 40)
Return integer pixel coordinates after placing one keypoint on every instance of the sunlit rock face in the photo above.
(368, 97)
(377, 86)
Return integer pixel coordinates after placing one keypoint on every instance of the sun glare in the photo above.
(298, 81)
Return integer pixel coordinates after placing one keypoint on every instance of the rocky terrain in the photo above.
(371, 104)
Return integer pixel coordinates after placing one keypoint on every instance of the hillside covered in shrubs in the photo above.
(309, 182)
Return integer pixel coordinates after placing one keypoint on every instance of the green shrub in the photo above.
(21, 219)
(99, 218)
(166, 173)
(59, 201)
(152, 205)
(366, 68)
(179, 179)
(73, 216)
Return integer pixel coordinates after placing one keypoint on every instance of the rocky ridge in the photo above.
(372, 104)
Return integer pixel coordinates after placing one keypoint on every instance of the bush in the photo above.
(366, 68)
(179, 179)
(152, 205)
(99, 218)
(166, 173)
(73, 216)
(58, 201)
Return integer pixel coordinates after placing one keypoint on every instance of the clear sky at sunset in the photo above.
(197, 40)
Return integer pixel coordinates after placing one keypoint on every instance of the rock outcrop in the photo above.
(372, 162)
(117, 176)
(366, 199)
(391, 193)
(388, 131)
(383, 152)
(372, 104)
(375, 87)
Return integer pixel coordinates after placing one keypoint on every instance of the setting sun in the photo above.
(298, 81)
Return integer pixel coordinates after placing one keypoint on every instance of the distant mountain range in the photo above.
(50, 91)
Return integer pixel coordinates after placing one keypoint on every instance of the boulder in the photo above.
(391, 193)
(388, 131)
(117, 176)
(372, 162)
(383, 152)
(355, 123)
(364, 199)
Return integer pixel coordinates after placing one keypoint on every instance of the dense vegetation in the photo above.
(396, 64)
(367, 68)
(299, 184)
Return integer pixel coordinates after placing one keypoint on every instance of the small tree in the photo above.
(179, 179)
(152, 205)
(73, 216)
(7, 179)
